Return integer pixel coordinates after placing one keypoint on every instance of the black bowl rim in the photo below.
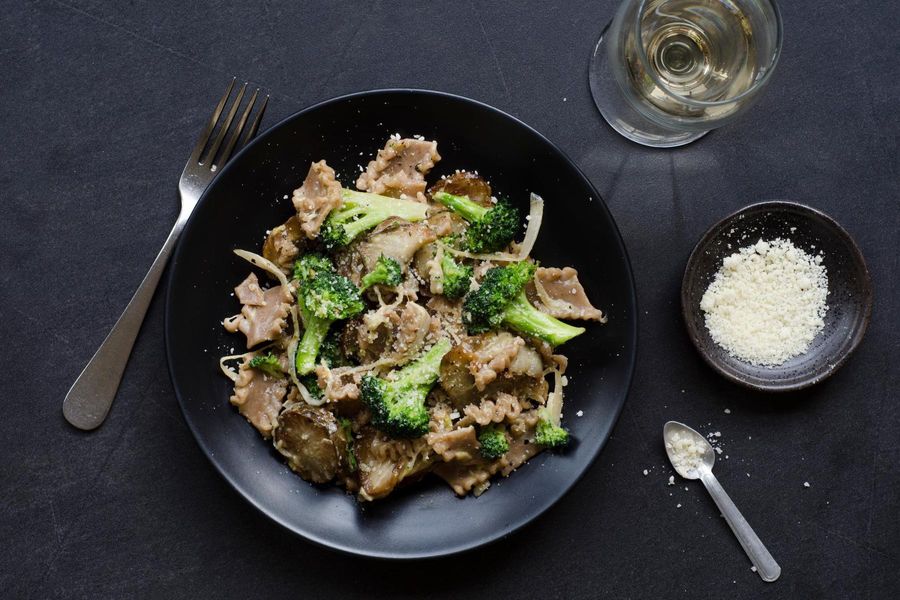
(776, 206)
(500, 533)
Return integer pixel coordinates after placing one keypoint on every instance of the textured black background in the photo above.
(100, 104)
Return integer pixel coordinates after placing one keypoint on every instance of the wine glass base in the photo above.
(620, 115)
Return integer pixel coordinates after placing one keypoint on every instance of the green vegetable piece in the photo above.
(549, 435)
(323, 297)
(501, 302)
(361, 212)
(456, 277)
(398, 402)
(387, 272)
(490, 229)
(268, 364)
(493, 441)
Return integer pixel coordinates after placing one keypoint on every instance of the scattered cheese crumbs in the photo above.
(678, 506)
(671, 481)
(580, 413)
(767, 302)
(753, 569)
(645, 472)
(686, 453)
(805, 484)
(727, 411)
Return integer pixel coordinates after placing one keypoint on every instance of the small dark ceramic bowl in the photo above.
(849, 292)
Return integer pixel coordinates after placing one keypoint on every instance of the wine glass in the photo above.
(665, 72)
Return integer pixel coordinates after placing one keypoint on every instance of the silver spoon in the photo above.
(765, 565)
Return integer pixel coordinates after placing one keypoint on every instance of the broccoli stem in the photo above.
(313, 335)
(525, 318)
(423, 371)
(369, 210)
(365, 223)
(410, 210)
(467, 209)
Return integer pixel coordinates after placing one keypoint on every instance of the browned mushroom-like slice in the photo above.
(312, 441)
(464, 183)
(456, 379)
(284, 244)
(385, 462)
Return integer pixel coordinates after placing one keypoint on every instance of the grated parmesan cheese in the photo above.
(686, 453)
(767, 302)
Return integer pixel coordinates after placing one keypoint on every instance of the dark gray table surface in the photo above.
(100, 105)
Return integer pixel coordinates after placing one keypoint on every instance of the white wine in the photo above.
(701, 50)
(665, 72)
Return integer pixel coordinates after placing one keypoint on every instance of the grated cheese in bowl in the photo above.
(767, 302)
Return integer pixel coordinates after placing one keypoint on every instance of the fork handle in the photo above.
(766, 567)
(90, 397)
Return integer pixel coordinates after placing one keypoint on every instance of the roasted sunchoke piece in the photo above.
(464, 183)
(313, 442)
(385, 462)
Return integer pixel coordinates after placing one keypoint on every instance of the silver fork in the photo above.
(90, 397)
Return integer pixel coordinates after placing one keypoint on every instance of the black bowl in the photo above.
(849, 292)
(250, 195)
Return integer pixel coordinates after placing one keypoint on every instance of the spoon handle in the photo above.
(765, 565)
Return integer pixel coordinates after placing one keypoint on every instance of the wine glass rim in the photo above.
(645, 60)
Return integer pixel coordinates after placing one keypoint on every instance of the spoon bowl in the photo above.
(678, 436)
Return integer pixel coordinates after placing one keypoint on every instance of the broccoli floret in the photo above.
(490, 229)
(331, 353)
(311, 383)
(493, 442)
(323, 297)
(456, 277)
(387, 272)
(268, 364)
(346, 427)
(360, 212)
(501, 301)
(310, 265)
(398, 404)
(550, 435)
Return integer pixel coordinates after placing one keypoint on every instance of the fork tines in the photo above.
(216, 155)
